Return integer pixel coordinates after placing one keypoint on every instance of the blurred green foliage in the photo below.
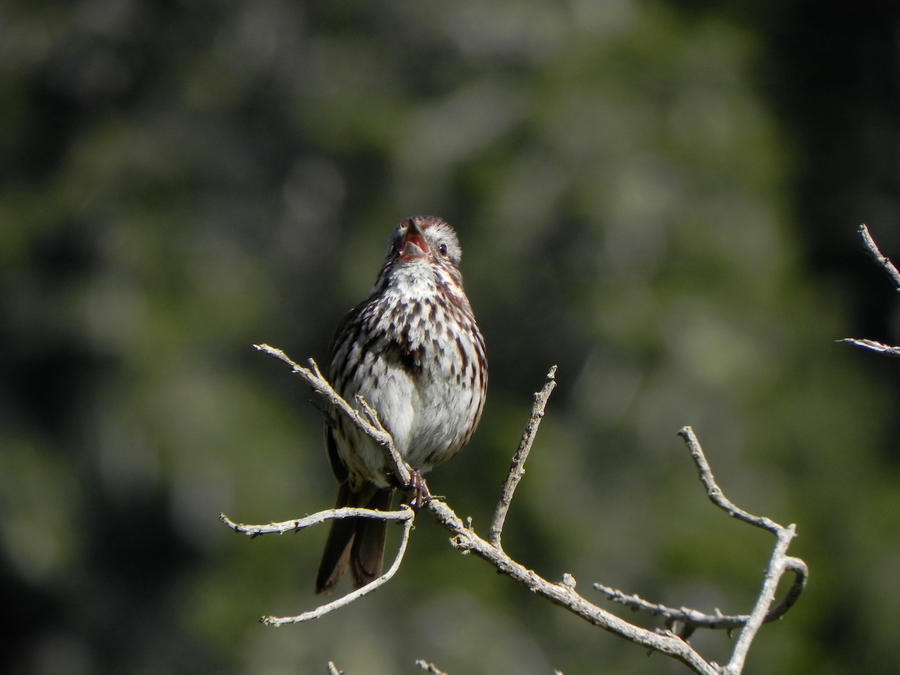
(660, 197)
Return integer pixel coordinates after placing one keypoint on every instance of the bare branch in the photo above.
(517, 467)
(400, 468)
(879, 257)
(717, 621)
(367, 422)
(686, 615)
(322, 610)
(714, 492)
(801, 575)
(765, 599)
(298, 524)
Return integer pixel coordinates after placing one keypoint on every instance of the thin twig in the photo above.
(714, 492)
(517, 466)
(400, 468)
(298, 524)
(764, 600)
(879, 257)
(322, 387)
(717, 621)
(874, 346)
(801, 575)
(322, 610)
(779, 562)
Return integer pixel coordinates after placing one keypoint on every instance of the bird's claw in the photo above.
(419, 488)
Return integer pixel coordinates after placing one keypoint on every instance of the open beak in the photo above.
(413, 244)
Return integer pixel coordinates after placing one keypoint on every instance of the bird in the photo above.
(413, 350)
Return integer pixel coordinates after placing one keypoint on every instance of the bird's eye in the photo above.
(442, 249)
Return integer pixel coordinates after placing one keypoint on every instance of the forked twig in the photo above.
(367, 421)
(693, 619)
(517, 466)
(779, 562)
(344, 600)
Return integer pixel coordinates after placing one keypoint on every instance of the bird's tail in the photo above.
(357, 543)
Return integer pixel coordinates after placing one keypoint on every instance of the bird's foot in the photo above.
(419, 488)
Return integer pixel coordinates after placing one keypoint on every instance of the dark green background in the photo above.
(659, 197)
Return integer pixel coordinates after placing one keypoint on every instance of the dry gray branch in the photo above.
(714, 492)
(517, 467)
(344, 600)
(563, 593)
(779, 562)
(317, 518)
(693, 619)
(367, 422)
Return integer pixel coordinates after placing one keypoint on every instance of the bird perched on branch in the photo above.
(414, 352)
